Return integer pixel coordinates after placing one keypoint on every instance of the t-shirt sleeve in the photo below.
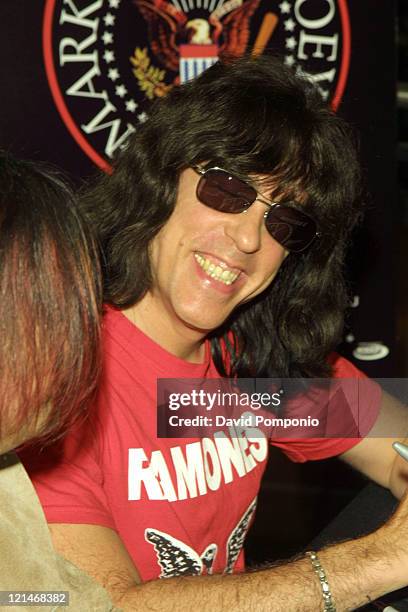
(69, 481)
(348, 416)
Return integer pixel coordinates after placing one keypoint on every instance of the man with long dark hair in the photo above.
(223, 230)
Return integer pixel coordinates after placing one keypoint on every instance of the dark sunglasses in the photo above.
(222, 191)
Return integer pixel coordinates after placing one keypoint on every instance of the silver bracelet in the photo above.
(329, 605)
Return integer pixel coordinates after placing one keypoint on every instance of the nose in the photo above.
(246, 228)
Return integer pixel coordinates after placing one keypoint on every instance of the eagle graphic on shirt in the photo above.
(176, 558)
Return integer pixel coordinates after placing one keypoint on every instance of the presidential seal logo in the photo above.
(107, 60)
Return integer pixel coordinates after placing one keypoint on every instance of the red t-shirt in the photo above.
(181, 506)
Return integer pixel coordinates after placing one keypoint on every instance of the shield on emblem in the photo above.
(194, 59)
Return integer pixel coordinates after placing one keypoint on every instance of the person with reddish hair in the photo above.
(50, 310)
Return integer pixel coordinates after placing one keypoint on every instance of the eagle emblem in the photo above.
(188, 45)
(107, 60)
(176, 558)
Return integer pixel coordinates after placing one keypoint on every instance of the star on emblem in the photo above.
(284, 7)
(289, 60)
(109, 56)
(291, 43)
(142, 117)
(121, 91)
(107, 38)
(113, 74)
(114, 4)
(109, 19)
(289, 25)
(131, 105)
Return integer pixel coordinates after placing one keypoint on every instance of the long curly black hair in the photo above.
(251, 116)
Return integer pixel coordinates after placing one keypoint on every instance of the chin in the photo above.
(201, 324)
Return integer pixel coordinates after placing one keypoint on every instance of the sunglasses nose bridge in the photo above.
(269, 205)
(247, 228)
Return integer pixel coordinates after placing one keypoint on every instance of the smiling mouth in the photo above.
(223, 275)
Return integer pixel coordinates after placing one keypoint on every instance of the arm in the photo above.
(99, 552)
(357, 571)
(375, 457)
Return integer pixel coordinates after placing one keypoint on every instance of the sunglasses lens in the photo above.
(224, 192)
(290, 227)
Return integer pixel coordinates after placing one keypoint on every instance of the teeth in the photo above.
(223, 276)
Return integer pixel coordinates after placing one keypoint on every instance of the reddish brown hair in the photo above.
(50, 302)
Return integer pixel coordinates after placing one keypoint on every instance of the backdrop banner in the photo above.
(79, 76)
